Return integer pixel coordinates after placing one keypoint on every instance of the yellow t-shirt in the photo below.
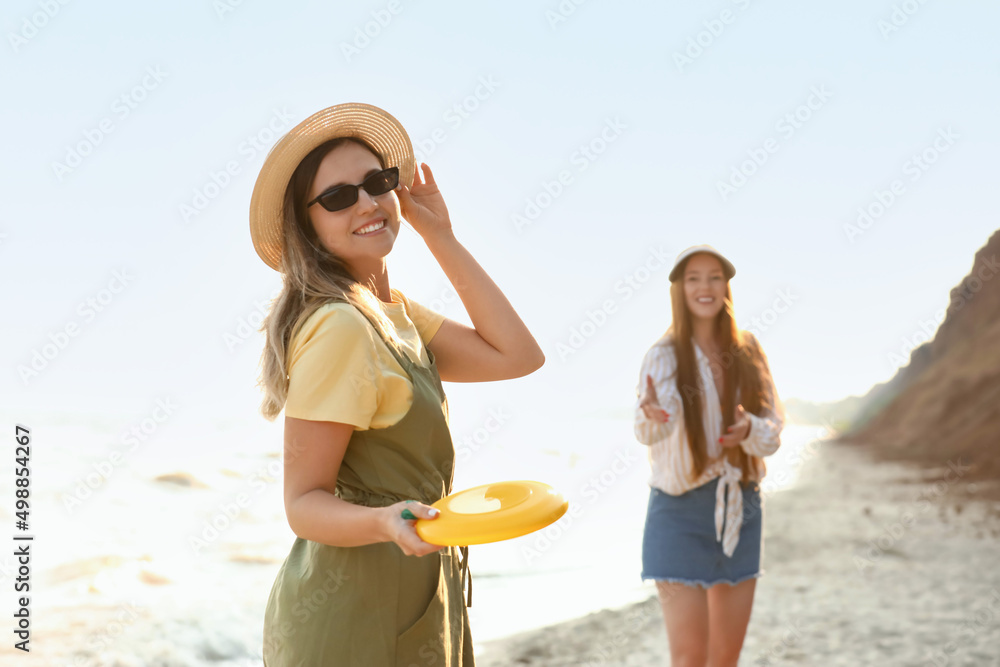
(341, 371)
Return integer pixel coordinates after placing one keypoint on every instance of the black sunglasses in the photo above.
(342, 196)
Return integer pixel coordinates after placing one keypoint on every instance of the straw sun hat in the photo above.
(373, 125)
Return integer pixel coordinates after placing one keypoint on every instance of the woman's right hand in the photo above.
(402, 531)
(422, 205)
(650, 404)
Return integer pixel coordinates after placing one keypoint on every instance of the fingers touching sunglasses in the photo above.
(343, 196)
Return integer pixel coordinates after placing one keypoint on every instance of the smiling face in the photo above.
(704, 285)
(362, 234)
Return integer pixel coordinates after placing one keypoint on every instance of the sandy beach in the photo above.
(865, 564)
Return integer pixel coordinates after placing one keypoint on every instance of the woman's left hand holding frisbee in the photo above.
(401, 530)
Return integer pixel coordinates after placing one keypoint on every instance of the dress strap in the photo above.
(401, 358)
(465, 573)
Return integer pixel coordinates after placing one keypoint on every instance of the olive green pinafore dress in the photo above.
(373, 606)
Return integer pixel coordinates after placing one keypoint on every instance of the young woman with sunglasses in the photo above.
(357, 367)
(708, 409)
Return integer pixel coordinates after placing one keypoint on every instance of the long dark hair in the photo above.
(743, 364)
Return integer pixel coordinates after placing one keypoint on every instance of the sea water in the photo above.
(180, 533)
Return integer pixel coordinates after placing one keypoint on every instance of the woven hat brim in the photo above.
(377, 127)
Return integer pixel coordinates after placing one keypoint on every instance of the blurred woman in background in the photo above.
(709, 412)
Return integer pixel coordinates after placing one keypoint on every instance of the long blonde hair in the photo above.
(744, 365)
(312, 276)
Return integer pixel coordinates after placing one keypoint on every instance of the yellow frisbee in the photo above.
(492, 513)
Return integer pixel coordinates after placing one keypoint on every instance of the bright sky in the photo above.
(619, 133)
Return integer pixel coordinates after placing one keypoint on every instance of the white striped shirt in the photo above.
(669, 455)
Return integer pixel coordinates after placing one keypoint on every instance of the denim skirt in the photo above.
(678, 543)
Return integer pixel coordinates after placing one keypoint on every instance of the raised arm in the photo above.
(498, 346)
